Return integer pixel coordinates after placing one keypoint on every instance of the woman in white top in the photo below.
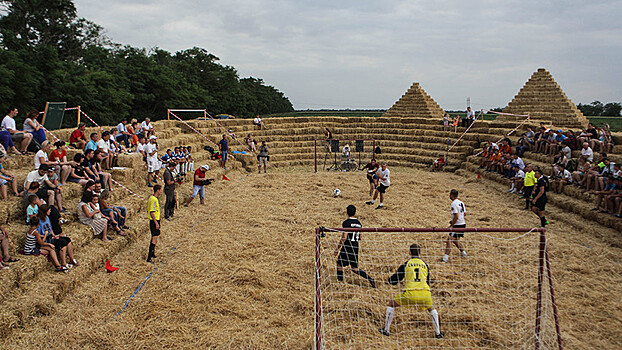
(32, 126)
(41, 157)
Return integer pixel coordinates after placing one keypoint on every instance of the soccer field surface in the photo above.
(239, 272)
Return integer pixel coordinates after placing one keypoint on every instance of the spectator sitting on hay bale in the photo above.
(78, 139)
(59, 157)
(61, 243)
(105, 178)
(5, 257)
(147, 128)
(251, 142)
(77, 174)
(40, 176)
(438, 163)
(89, 214)
(20, 138)
(5, 180)
(36, 244)
(257, 122)
(31, 125)
(115, 215)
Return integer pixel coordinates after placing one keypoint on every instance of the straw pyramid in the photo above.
(415, 103)
(543, 99)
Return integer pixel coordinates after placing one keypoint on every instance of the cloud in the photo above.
(364, 54)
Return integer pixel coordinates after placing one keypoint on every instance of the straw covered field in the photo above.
(239, 272)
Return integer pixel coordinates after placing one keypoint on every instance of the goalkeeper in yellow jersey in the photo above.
(416, 274)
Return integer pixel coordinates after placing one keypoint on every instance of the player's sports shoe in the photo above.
(369, 202)
(439, 336)
(381, 330)
(380, 207)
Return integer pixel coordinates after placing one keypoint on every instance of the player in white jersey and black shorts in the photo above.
(384, 176)
(458, 211)
(347, 251)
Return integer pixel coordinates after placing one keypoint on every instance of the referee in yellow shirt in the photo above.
(416, 276)
(153, 210)
(529, 182)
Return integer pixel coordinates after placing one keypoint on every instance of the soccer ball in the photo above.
(336, 193)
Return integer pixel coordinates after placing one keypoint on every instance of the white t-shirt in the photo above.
(122, 128)
(566, 175)
(521, 164)
(520, 174)
(150, 147)
(471, 114)
(146, 127)
(40, 154)
(567, 152)
(387, 176)
(140, 147)
(8, 123)
(257, 120)
(588, 153)
(457, 207)
(103, 145)
(34, 176)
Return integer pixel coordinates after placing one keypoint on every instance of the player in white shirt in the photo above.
(153, 163)
(384, 176)
(458, 211)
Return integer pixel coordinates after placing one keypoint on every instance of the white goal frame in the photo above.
(544, 266)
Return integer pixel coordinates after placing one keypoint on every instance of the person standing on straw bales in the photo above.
(153, 209)
(153, 163)
(416, 274)
(446, 122)
(263, 156)
(384, 176)
(169, 190)
(539, 197)
(458, 211)
(347, 251)
(223, 145)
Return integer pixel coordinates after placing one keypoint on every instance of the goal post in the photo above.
(333, 153)
(485, 300)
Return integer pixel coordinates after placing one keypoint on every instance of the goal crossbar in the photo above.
(544, 270)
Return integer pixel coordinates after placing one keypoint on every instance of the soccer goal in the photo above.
(343, 154)
(499, 296)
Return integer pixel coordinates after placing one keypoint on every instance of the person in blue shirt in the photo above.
(92, 144)
(224, 151)
(610, 188)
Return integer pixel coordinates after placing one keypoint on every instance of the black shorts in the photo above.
(348, 256)
(457, 234)
(154, 231)
(540, 203)
(61, 242)
(382, 188)
(370, 178)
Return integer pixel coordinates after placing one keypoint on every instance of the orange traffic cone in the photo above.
(225, 178)
(109, 267)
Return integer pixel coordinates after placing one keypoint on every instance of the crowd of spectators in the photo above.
(591, 172)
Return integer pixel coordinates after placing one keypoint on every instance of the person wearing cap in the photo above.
(153, 163)
(40, 176)
(197, 185)
(169, 190)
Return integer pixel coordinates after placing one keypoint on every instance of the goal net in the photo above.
(499, 296)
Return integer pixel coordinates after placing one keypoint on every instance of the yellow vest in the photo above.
(153, 205)
(530, 178)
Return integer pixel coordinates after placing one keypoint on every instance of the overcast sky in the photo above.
(365, 54)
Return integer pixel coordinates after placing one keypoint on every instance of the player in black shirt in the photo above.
(347, 251)
(372, 167)
(539, 196)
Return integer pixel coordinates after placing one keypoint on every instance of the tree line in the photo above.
(598, 109)
(48, 53)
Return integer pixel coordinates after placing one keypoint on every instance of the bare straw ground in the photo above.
(244, 278)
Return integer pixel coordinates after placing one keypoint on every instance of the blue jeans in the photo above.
(120, 220)
(39, 135)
